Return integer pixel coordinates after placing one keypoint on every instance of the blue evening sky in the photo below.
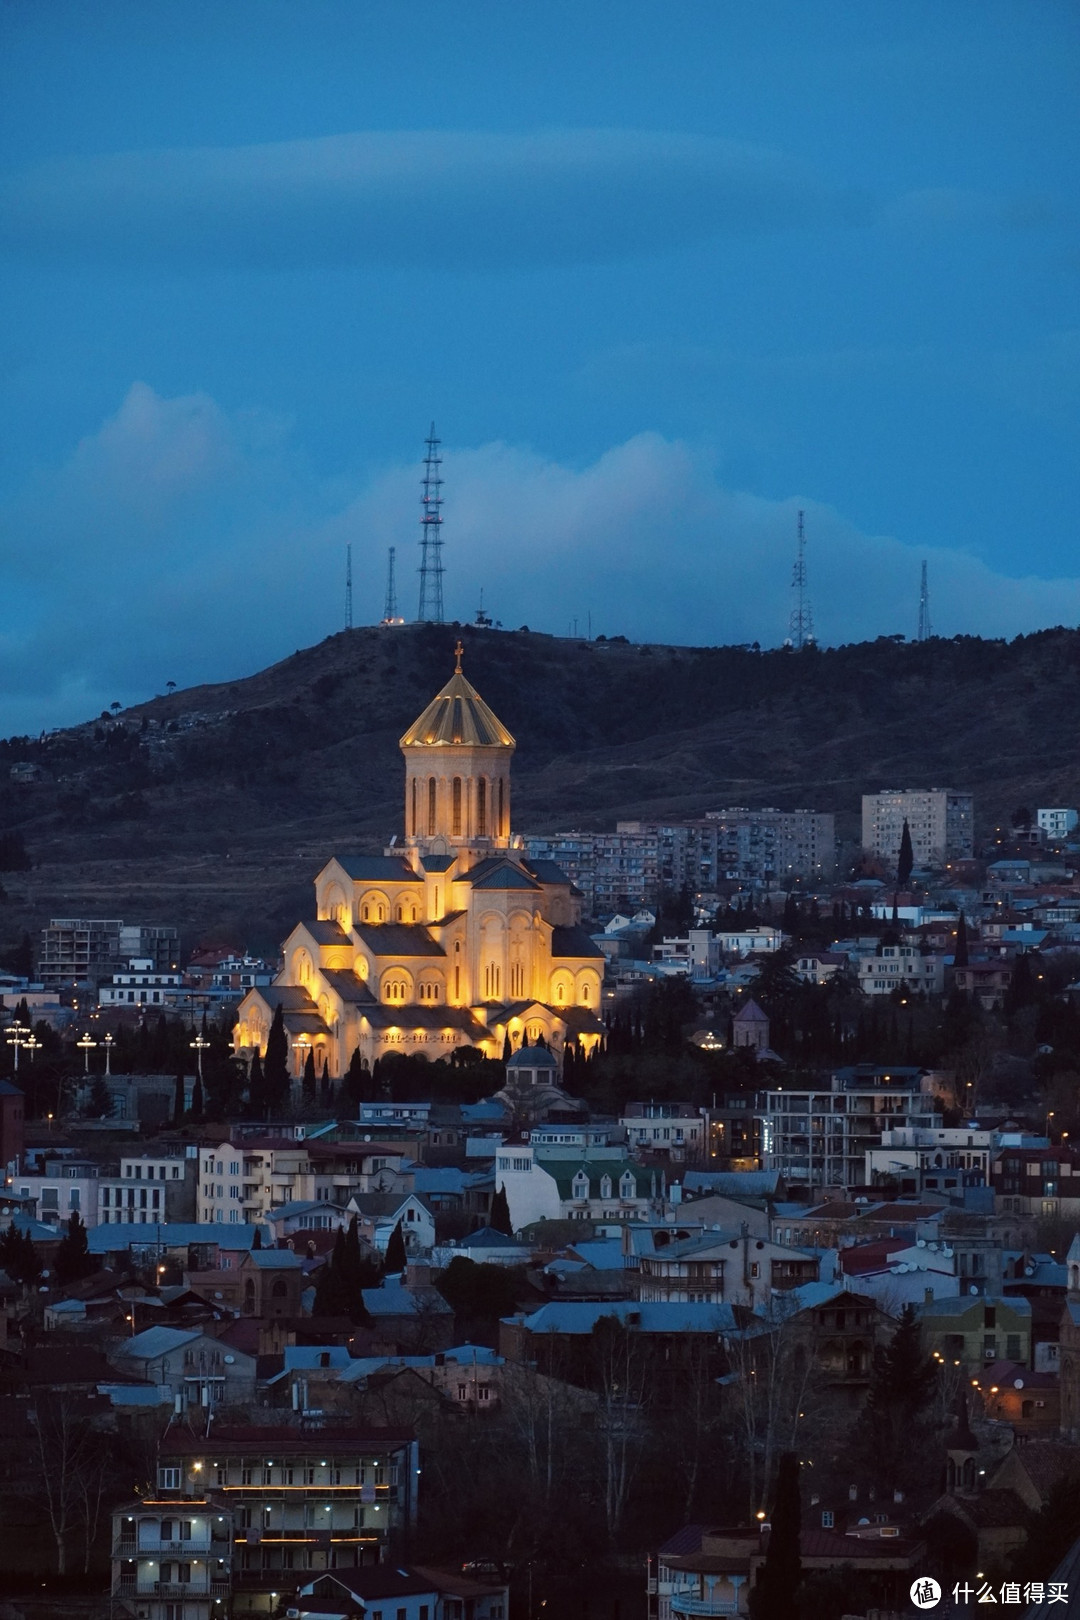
(663, 272)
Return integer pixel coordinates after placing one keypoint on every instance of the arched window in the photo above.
(455, 824)
(584, 995)
(413, 827)
(431, 807)
(481, 807)
(502, 824)
(605, 1186)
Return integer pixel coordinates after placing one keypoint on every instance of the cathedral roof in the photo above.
(398, 939)
(347, 985)
(574, 942)
(325, 932)
(377, 868)
(457, 714)
(547, 872)
(381, 1016)
(499, 873)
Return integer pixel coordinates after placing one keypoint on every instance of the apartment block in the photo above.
(172, 1560)
(75, 949)
(940, 821)
(300, 1501)
(820, 1137)
(615, 871)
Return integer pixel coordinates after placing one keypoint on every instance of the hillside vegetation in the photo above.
(213, 807)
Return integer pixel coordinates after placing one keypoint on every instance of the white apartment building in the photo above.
(172, 1560)
(940, 821)
(149, 1188)
(674, 1129)
(564, 1185)
(245, 1180)
(1057, 823)
(820, 1137)
(63, 1187)
(894, 965)
(140, 984)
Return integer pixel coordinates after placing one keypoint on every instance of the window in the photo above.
(431, 832)
(168, 1479)
(481, 807)
(827, 1519)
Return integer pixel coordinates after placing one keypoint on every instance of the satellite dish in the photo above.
(229, 1360)
(1018, 1383)
(920, 1243)
(974, 1289)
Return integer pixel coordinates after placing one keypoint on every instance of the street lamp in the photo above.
(31, 1044)
(199, 1045)
(86, 1046)
(108, 1042)
(16, 1036)
(301, 1045)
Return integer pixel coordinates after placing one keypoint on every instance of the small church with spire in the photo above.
(451, 937)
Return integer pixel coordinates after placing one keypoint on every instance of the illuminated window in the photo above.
(456, 817)
(481, 808)
(502, 824)
(413, 826)
(431, 807)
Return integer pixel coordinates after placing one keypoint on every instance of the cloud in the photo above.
(424, 197)
(183, 542)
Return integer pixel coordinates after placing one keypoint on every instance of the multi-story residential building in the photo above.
(150, 1188)
(677, 1131)
(700, 953)
(76, 949)
(893, 966)
(140, 984)
(245, 1182)
(172, 1560)
(1040, 1181)
(941, 823)
(715, 1268)
(197, 1370)
(63, 1186)
(1057, 823)
(301, 1500)
(562, 1185)
(937, 1160)
(755, 848)
(820, 1138)
(977, 1331)
(614, 871)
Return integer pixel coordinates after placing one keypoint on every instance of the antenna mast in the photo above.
(925, 629)
(390, 612)
(348, 587)
(431, 566)
(801, 624)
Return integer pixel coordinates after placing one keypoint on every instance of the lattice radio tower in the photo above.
(390, 612)
(431, 565)
(925, 628)
(348, 587)
(801, 624)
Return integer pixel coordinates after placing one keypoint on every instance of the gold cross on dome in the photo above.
(458, 650)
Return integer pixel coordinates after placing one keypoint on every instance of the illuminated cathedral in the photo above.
(451, 937)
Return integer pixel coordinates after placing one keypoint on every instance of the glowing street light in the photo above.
(199, 1045)
(108, 1043)
(86, 1046)
(16, 1036)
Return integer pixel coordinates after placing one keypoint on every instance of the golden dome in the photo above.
(457, 714)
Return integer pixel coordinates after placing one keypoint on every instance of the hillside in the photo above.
(213, 807)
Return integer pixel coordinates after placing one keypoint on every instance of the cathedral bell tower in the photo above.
(457, 773)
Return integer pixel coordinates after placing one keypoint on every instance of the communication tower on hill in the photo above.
(348, 587)
(925, 629)
(431, 566)
(390, 612)
(801, 625)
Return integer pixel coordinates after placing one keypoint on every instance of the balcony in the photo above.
(684, 1603)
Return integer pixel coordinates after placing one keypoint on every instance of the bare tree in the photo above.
(69, 1457)
(774, 1370)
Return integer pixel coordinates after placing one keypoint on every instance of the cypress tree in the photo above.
(773, 1598)
(72, 1261)
(396, 1258)
(508, 1050)
(499, 1219)
(178, 1101)
(276, 1082)
(256, 1087)
(960, 951)
(308, 1083)
(197, 1100)
(906, 859)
